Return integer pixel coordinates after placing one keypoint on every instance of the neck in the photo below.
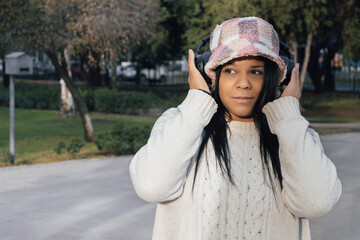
(238, 119)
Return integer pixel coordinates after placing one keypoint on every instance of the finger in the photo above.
(191, 60)
(190, 63)
(296, 82)
(295, 75)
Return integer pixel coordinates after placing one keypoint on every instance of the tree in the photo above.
(59, 28)
(351, 31)
(203, 16)
(6, 42)
(107, 29)
(168, 41)
(298, 23)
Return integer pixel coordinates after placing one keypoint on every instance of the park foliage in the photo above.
(100, 33)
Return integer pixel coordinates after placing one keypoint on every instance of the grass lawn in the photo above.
(38, 132)
(331, 107)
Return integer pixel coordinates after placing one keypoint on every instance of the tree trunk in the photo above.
(293, 46)
(95, 71)
(355, 77)
(113, 75)
(67, 104)
(329, 82)
(79, 101)
(314, 68)
(94, 77)
(306, 59)
(83, 74)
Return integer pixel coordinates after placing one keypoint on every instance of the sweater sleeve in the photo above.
(310, 182)
(158, 170)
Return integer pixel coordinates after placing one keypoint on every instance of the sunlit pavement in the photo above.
(82, 199)
(94, 199)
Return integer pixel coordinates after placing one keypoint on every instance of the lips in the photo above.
(243, 99)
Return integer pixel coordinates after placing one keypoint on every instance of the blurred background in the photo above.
(103, 70)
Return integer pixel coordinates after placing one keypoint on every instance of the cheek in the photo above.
(226, 85)
(223, 90)
(258, 88)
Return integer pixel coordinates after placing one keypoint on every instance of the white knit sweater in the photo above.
(163, 171)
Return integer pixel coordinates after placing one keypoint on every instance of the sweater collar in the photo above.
(238, 126)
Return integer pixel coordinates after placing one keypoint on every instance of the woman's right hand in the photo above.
(195, 79)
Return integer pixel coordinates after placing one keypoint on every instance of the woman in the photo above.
(236, 162)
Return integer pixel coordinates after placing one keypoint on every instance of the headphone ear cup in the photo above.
(288, 58)
(200, 62)
(202, 59)
(289, 66)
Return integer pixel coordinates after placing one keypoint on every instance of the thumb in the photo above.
(191, 61)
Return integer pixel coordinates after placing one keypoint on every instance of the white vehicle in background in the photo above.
(159, 74)
(127, 71)
(169, 71)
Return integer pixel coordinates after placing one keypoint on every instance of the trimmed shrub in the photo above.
(89, 98)
(4, 97)
(124, 102)
(32, 96)
(73, 147)
(125, 138)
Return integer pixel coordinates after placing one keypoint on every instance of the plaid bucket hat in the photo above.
(240, 37)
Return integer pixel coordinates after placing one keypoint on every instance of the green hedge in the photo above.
(125, 138)
(127, 101)
(124, 102)
(32, 96)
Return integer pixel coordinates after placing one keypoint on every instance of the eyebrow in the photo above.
(257, 66)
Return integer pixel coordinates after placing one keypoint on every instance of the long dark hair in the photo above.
(216, 130)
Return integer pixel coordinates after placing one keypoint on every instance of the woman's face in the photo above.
(240, 83)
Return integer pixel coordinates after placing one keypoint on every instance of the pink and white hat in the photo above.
(240, 37)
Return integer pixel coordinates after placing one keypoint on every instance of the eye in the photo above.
(229, 70)
(257, 72)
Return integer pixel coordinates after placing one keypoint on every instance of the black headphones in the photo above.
(202, 58)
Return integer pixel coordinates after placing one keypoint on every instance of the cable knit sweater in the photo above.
(163, 171)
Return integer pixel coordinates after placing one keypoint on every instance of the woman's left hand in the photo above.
(293, 88)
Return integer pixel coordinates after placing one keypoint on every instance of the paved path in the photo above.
(353, 125)
(343, 222)
(94, 199)
(71, 200)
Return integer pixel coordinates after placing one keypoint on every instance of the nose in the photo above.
(243, 82)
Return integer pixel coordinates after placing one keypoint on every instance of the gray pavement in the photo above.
(80, 199)
(352, 125)
(94, 199)
(343, 222)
